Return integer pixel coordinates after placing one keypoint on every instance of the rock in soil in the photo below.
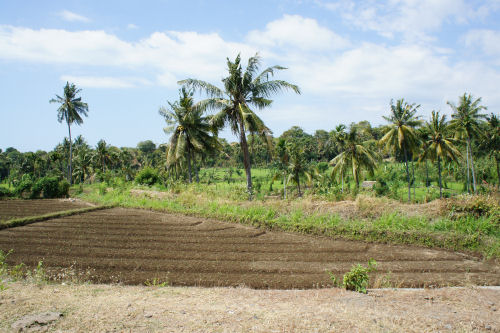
(34, 321)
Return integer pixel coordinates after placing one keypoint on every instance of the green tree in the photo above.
(491, 142)
(354, 156)
(466, 122)
(401, 135)
(190, 130)
(243, 89)
(70, 110)
(438, 145)
(296, 163)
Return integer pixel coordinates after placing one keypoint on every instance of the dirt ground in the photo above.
(133, 246)
(113, 308)
(10, 209)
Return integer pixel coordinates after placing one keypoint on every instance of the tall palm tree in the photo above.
(296, 163)
(190, 130)
(438, 146)
(71, 110)
(466, 120)
(102, 155)
(243, 89)
(491, 143)
(401, 136)
(355, 157)
(339, 140)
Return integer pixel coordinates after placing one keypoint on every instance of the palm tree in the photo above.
(401, 136)
(190, 130)
(355, 157)
(438, 145)
(466, 120)
(102, 154)
(242, 90)
(339, 140)
(71, 110)
(491, 143)
(296, 163)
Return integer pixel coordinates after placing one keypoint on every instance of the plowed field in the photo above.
(11, 209)
(133, 246)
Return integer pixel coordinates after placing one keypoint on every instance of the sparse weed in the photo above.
(357, 278)
(156, 282)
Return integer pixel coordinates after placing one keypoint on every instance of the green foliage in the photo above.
(24, 186)
(147, 176)
(156, 282)
(5, 192)
(48, 187)
(357, 278)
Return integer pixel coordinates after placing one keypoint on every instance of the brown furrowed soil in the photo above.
(12, 209)
(133, 246)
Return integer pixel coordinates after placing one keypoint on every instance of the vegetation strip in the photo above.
(32, 219)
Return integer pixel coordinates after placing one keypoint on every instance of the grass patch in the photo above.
(32, 219)
(479, 235)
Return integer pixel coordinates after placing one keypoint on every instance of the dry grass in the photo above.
(111, 308)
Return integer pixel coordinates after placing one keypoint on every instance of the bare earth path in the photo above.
(133, 246)
(111, 308)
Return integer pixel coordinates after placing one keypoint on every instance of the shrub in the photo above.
(147, 176)
(357, 278)
(5, 192)
(381, 187)
(63, 188)
(47, 186)
(24, 186)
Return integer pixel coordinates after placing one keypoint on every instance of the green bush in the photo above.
(357, 278)
(147, 176)
(48, 187)
(381, 187)
(63, 188)
(5, 192)
(24, 186)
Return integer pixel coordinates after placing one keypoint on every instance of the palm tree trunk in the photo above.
(472, 167)
(70, 178)
(467, 157)
(298, 183)
(440, 183)
(413, 177)
(246, 158)
(407, 174)
(284, 184)
(189, 164)
(426, 174)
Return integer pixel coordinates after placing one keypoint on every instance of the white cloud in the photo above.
(297, 32)
(104, 81)
(487, 40)
(414, 19)
(176, 53)
(132, 26)
(72, 17)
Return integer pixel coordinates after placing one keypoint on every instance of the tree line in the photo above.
(193, 127)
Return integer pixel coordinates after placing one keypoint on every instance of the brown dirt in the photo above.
(112, 308)
(132, 246)
(11, 209)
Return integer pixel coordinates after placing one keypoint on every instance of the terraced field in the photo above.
(11, 209)
(133, 246)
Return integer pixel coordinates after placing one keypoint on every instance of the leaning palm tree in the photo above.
(355, 156)
(71, 110)
(466, 120)
(438, 146)
(190, 130)
(243, 89)
(401, 136)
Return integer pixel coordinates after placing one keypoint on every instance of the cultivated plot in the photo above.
(11, 209)
(133, 246)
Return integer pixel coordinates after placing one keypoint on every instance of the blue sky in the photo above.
(350, 58)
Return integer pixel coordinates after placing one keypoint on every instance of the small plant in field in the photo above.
(156, 283)
(3, 264)
(17, 272)
(357, 278)
(335, 281)
(39, 276)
